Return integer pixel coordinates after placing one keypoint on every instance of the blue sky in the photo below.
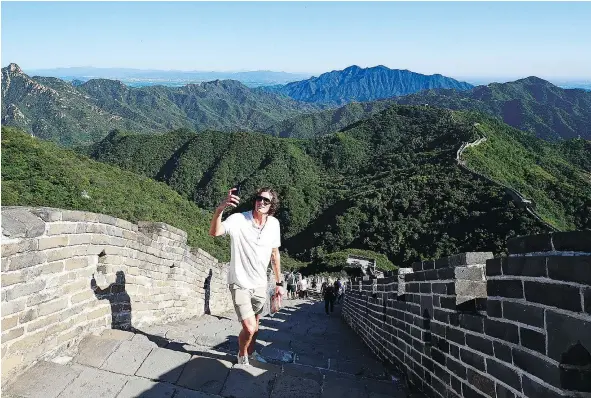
(502, 39)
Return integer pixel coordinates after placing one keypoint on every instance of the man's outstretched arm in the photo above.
(216, 228)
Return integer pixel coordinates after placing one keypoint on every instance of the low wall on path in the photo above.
(66, 274)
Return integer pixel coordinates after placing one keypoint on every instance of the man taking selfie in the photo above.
(255, 240)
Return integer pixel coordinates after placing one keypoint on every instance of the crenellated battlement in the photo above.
(471, 325)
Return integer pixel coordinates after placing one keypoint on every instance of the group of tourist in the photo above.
(254, 242)
(297, 285)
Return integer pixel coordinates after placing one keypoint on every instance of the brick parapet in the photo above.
(143, 273)
(528, 335)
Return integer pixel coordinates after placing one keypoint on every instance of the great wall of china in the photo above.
(468, 325)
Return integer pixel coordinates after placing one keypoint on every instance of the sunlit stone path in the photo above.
(308, 353)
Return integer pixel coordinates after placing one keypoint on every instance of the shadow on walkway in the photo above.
(308, 353)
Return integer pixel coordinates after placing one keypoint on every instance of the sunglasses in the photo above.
(265, 201)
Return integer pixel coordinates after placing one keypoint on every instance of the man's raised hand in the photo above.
(230, 201)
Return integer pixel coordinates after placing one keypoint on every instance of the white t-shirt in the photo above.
(251, 249)
(304, 284)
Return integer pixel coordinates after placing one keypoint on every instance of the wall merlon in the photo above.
(469, 258)
(572, 241)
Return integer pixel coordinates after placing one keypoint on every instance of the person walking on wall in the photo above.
(303, 287)
(338, 290)
(327, 291)
(291, 286)
(255, 240)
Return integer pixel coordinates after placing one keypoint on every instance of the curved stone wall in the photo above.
(69, 273)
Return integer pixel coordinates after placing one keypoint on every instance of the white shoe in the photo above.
(255, 356)
(242, 360)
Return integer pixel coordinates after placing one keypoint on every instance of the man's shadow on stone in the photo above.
(207, 288)
(119, 300)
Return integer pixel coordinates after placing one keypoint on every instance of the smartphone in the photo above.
(236, 190)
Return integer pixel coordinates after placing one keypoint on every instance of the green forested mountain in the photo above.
(389, 183)
(68, 114)
(530, 104)
(340, 87)
(557, 177)
(202, 167)
(309, 125)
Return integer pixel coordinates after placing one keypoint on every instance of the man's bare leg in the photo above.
(249, 329)
(251, 346)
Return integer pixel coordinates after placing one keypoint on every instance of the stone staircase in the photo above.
(308, 354)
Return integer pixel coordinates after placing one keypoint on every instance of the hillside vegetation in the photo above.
(389, 184)
(39, 173)
(555, 176)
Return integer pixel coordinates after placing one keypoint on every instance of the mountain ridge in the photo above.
(56, 110)
(530, 104)
(363, 84)
(527, 104)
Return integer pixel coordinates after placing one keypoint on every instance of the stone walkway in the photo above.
(309, 354)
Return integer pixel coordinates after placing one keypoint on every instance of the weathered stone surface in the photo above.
(205, 374)
(337, 387)
(365, 367)
(115, 334)
(470, 288)
(95, 383)
(23, 260)
(469, 258)
(185, 393)
(278, 355)
(530, 244)
(43, 380)
(473, 273)
(21, 223)
(127, 358)
(295, 387)
(94, 351)
(302, 371)
(144, 388)
(163, 364)
(577, 241)
(250, 382)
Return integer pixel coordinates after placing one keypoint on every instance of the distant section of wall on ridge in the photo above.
(66, 274)
(475, 326)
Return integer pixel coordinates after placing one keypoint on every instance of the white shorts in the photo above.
(248, 302)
